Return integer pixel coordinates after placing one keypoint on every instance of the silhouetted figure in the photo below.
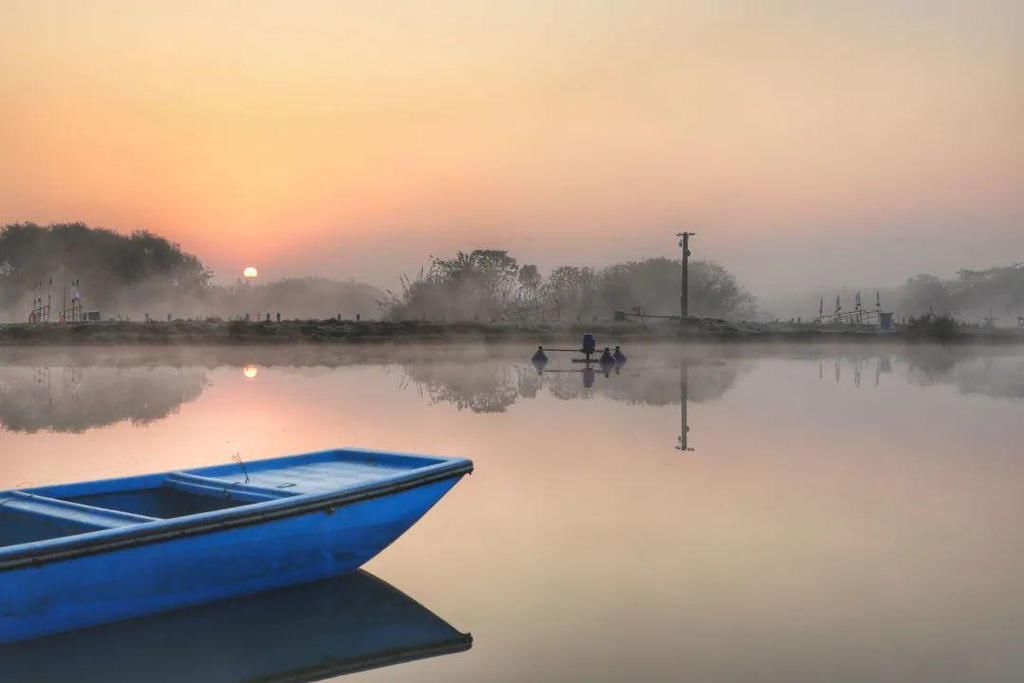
(619, 356)
(607, 359)
(357, 317)
(540, 356)
(278, 317)
(589, 344)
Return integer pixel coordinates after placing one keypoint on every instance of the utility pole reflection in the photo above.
(682, 443)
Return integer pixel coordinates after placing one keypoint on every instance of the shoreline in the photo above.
(349, 332)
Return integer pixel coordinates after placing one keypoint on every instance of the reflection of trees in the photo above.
(573, 384)
(481, 388)
(930, 364)
(73, 399)
(706, 381)
(529, 383)
(492, 385)
(988, 371)
(999, 375)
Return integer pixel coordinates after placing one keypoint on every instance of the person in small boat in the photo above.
(589, 344)
(619, 356)
(606, 357)
(540, 356)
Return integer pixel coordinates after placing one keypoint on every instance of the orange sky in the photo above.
(868, 140)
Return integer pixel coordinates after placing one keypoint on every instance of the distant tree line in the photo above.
(998, 291)
(111, 267)
(489, 284)
(143, 274)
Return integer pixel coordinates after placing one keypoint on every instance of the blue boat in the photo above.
(308, 632)
(77, 555)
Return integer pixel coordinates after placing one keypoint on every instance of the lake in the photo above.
(706, 513)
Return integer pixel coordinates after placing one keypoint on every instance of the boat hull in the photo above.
(149, 576)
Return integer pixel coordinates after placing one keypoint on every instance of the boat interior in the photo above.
(51, 512)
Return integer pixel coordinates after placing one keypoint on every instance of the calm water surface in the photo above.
(710, 514)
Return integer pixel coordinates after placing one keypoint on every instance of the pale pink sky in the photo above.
(806, 142)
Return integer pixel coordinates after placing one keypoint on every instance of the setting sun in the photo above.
(250, 272)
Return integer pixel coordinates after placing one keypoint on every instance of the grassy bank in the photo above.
(351, 332)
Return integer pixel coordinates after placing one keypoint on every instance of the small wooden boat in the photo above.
(309, 632)
(81, 554)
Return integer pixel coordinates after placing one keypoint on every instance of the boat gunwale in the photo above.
(36, 553)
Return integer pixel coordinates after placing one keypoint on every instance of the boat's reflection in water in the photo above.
(304, 633)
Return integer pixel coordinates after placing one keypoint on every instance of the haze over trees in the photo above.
(143, 273)
(998, 291)
(301, 297)
(489, 284)
(114, 269)
(972, 296)
(969, 296)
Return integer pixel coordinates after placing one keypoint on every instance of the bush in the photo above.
(928, 326)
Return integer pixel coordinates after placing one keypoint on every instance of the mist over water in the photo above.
(72, 390)
(839, 513)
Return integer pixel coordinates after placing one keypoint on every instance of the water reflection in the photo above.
(494, 385)
(986, 372)
(74, 390)
(305, 633)
(480, 387)
(998, 376)
(825, 532)
(874, 367)
(75, 398)
(684, 400)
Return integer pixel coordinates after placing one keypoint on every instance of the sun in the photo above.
(250, 371)
(250, 272)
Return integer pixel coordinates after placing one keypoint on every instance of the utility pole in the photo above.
(684, 303)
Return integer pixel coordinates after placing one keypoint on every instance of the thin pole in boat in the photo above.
(237, 457)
